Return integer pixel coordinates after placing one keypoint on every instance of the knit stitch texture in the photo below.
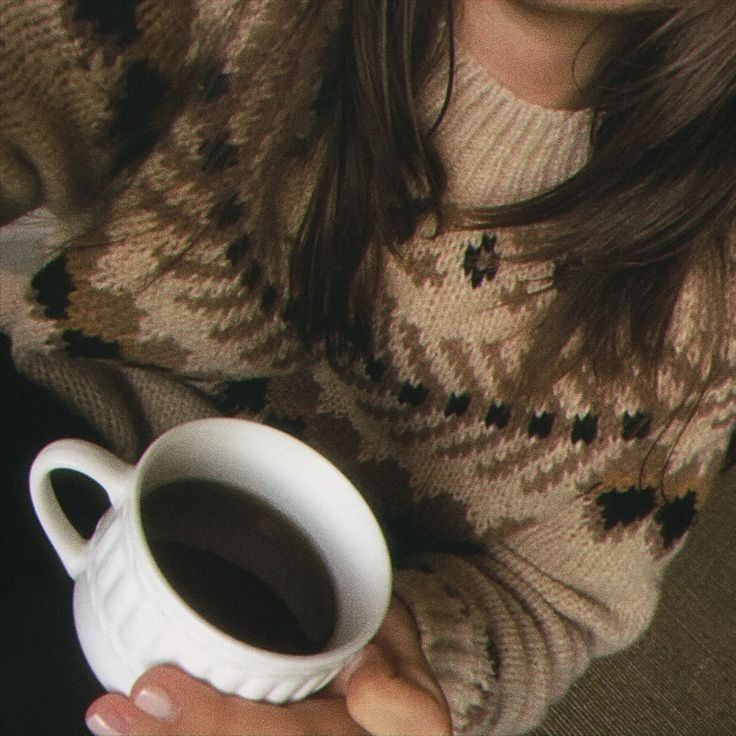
(168, 143)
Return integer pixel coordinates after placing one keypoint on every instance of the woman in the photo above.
(475, 252)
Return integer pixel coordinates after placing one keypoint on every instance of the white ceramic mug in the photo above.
(129, 617)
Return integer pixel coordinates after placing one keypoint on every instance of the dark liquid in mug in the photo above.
(241, 565)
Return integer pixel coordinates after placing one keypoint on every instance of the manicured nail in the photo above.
(156, 702)
(109, 726)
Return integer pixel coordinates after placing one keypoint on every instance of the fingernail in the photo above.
(156, 702)
(108, 726)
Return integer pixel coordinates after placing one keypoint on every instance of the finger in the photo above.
(110, 715)
(200, 709)
(384, 702)
(168, 702)
(399, 642)
(400, 634)
(164, 700)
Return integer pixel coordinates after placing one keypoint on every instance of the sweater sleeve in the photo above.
(54, 104)
(86, 91)
(509, 630)
(127, 406)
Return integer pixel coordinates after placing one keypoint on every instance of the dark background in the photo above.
(46, 685)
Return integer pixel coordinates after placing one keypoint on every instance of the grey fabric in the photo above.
(129, 407)
(680, 678)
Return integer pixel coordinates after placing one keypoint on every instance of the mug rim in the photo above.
(208, 634)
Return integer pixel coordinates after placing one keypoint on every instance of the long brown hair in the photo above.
(658, 190)
(379, 173)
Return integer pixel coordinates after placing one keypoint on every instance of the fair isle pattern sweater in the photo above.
(528, 537)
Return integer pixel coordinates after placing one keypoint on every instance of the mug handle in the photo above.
(115, 477)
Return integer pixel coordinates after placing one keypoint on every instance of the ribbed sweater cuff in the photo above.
(455, 640)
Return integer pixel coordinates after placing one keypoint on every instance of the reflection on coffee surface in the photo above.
(241, 565)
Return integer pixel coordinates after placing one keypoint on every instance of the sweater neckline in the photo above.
(466, 61)
(498, 147)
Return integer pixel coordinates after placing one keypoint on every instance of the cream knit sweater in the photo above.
(528, 537)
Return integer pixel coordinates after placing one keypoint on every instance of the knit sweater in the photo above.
(529, 537)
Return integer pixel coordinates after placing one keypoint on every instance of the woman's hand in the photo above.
(386, 690)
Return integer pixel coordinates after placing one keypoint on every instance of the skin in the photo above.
(545, 51)
(391, 690)
(600, 7)
(531, 47)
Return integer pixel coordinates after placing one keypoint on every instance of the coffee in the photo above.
(241, 565)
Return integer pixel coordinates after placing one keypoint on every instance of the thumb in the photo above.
(384, 703)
